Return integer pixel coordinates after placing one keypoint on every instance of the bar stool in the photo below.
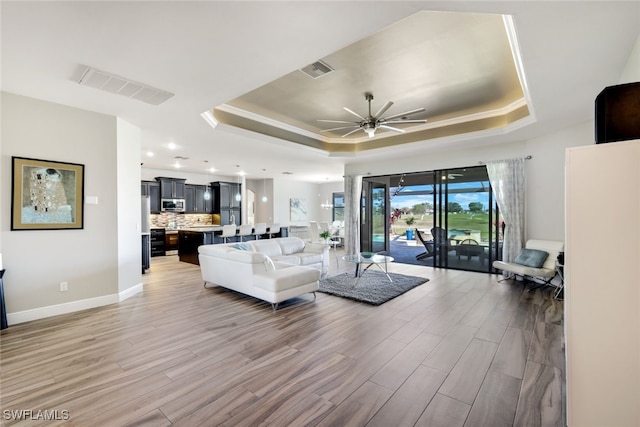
(259, 229)
(228, 231)
(244, 231)
(273, 229)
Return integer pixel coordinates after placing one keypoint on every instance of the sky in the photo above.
(406, 199)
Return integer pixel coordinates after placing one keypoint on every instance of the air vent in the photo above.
(287, 173)
(317, 69)
(181, 158)
(121, 86)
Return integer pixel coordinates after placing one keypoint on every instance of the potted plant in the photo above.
(325, 235)
(409, 232)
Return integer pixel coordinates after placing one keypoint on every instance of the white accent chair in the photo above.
(259, 229)
(546, 272)
(228, 231)
(244, 231)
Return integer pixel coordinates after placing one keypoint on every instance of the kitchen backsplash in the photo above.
(173, 220)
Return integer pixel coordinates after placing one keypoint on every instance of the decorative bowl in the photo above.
(367, 254)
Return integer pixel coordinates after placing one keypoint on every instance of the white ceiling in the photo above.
(209, 53)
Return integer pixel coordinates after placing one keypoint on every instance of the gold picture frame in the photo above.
(46, 195)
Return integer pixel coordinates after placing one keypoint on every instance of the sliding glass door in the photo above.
(467, 219)
(443, 218)
(375, 211)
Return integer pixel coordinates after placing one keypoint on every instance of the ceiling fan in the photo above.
(370, 123)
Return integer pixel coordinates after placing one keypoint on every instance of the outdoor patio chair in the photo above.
(428, 245)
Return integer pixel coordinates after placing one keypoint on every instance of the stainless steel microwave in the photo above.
(172, 205)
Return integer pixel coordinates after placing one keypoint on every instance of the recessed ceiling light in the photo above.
(177, 165)
(149, 153)
(172, 146)
(212, 169)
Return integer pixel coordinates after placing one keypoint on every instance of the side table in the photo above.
(560, 274)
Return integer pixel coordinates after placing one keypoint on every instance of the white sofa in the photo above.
(273, 270)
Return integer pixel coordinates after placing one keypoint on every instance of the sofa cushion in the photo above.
(534, 258)
(307, 258)
(288, 259)
(290, 245)
(269, 247)
(246, 257)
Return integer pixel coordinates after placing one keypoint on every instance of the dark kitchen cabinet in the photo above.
(195, 201)
(151, 189)
(171, 188)
(225, 202)
(189, 241)
(157, 242)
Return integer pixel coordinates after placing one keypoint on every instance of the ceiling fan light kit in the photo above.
(371, 123)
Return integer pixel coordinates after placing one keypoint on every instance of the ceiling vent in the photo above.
(119, 85)
(317, 69)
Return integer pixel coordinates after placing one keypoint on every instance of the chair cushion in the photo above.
(531, 258)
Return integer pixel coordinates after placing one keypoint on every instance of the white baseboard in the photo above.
(71, 307)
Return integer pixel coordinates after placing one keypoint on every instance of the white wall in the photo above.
(545, 172)
(38, 260)
(283, 190)
(129, 219)
(631, 72)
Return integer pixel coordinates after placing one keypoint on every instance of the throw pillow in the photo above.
(242, 247)
(531, 258)
(268, 263)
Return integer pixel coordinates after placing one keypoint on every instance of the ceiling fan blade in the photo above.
(384, 108)
(354, 113)
(337, 121)
(392, 128)
(406, 113)
(386, 122)
(349, 133)
(343, 127)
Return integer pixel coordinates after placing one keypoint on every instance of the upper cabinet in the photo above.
(195, 201)
(171, 188)
(226, 203)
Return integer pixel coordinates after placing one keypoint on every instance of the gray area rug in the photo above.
(373, 288)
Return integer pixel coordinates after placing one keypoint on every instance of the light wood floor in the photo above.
(460, 350)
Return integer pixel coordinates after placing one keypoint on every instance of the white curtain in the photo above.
(352, 192)
(507, 179)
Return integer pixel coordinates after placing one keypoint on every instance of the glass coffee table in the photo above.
(369, 259)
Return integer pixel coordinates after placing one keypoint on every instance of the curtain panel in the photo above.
(507, 179)
(353, 190)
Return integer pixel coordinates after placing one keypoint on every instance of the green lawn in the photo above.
(459, 221)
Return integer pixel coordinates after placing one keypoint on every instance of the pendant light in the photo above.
(238, 195)
(265, 199)
(207, 193)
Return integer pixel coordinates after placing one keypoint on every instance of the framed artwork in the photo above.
(46, 195)
(297, 209)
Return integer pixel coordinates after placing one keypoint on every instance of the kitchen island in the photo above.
(191, 238)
